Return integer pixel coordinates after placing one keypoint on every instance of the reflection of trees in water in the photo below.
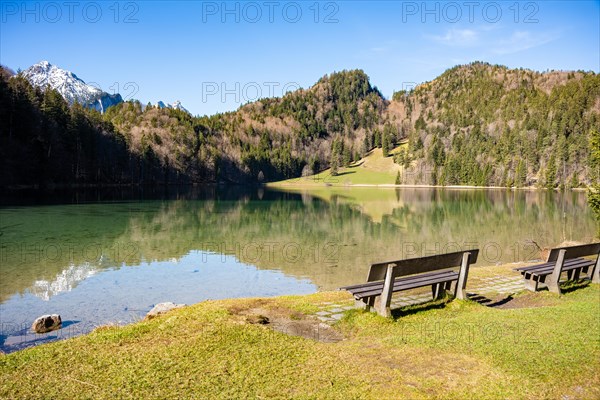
(330, 242)
(52, 239)
(429, 221)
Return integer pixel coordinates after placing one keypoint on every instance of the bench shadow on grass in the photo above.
(497, 302)
(486, 301)
(344, 173)
(416, 308)
(572, 286)
(525, 298)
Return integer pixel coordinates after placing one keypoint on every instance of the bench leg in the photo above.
(365, 303)
(576, 274)
(438, 290)
(383, 308)
(447, 288)
(463, 274)
(531, 284)
(371, 303)
(435, 291)
(595, 271)
(570, 274)
(553, 280)
(553, 286)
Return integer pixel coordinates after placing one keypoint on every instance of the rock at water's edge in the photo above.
(46, 323)
(162, 308)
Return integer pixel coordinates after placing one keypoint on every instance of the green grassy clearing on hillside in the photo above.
(373, 169)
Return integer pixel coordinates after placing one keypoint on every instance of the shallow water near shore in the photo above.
(101, 257)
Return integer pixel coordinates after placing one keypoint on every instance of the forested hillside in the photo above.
(488, 125)
(476, 124)
(44, 141)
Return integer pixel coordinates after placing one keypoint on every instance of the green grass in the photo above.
(455, 350)
(347, 176)
(373, 169)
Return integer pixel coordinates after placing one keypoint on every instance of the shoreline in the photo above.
(272, 185)
(282, 185)
(279, 348)
(67, 333)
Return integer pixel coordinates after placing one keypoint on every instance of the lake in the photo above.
(106, 257)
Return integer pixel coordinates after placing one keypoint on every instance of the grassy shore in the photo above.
(542, 346)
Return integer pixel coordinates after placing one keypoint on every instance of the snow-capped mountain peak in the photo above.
(176, 106)
(72, 88)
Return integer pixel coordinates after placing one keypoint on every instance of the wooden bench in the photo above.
(563, 259)
(393, 276)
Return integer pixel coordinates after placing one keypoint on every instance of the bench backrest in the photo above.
(411, 266)
(575, 251)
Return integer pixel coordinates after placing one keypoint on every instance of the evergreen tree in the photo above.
(336, 155)
(334, 168)
(385, 144)
(520, 174)
(377, 138)
(551, 172)
(347, 156)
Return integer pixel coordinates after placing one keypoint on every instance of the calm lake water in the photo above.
(108, 257)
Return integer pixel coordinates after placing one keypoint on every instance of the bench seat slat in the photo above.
(405, 281)
(546, 270)
(413, 278)
(566, 266)
(405, 284)
(370, 285)
(550, 265)
(379, 283)
(543, 269)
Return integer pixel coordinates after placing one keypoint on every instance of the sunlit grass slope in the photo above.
(373, 169)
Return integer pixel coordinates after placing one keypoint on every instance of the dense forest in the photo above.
(44, 141)
(488, 125)
(477, 124)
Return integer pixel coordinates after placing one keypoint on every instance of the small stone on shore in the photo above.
(47, 323)
(162, 308)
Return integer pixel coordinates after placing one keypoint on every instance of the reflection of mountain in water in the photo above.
(329, 237)
(65, 281)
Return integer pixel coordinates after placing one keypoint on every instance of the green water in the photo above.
(329, 236)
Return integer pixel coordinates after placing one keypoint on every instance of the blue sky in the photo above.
(213, 56)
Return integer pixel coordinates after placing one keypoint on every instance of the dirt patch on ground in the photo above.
(528, 301)
(286, 321)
